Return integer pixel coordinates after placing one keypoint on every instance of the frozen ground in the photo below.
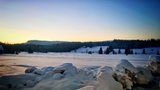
(16, 64)
(124, 76)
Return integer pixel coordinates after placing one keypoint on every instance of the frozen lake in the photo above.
(55, 59)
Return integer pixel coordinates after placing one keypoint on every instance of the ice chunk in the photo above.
(143, 76)
(30, 69)
(88, 88)
(107, 82)
(90, 70)
(105, 69)
(125, 66)
(69, 69)
(57, 76)
(47, 69)
(125, 74)
(38, 72)
(154, 64)
(19, 81)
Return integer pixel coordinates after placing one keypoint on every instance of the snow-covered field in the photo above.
(78, 71)
(151, 50)
(54, 59)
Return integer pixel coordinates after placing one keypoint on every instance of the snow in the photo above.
(125, 73)
(150, 50)
(144, 76)
(154, 58)
(80, 81)
(19, 81)
(57, 76)
(78, 59)
(106, 80)
(58, 82)
(69, 77)
(38, 72)
(125, 65)
(90, 49)
(69, 69)
(47, 69)
(30, 69)
(154, 64)
(87, 88)
(55, 59)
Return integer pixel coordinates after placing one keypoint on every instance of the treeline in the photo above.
(30, 48)
(69, 46)
(127, 51)
(135, 43)
(111, 50)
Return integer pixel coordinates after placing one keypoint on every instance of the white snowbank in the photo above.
(69, 69)
(125, 65)
(106, 80)
(69, 77)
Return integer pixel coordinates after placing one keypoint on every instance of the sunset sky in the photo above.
(78, 20)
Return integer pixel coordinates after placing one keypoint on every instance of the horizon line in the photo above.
(75, 41)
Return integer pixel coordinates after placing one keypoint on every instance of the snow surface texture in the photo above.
(93, 49)
(68, 77)
(151, 50)
(41, 60)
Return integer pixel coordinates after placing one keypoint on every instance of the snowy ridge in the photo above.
(90, 49)
(150, 50)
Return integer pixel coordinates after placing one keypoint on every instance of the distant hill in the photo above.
(40, 42)
(64, 46)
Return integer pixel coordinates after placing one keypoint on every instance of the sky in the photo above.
(78, 20)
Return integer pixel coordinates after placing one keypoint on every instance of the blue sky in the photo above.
(78, 20)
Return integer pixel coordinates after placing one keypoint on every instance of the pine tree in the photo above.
(135, 53)
(158, 53)
(114, 52)
(119, 51)
(106, 51)
(100, 51)
(127, 51)
(131, 51)
(110, 49)
(1, 49)
(143, 52)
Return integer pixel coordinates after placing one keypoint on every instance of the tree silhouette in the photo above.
(70, 46)
(110, 49)
(107, 51)
(127, 51)
(114, 52)
(158, 53)
(143, 52)
(119, 51)
(1, 49)
(131, 51)
(100, 51)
